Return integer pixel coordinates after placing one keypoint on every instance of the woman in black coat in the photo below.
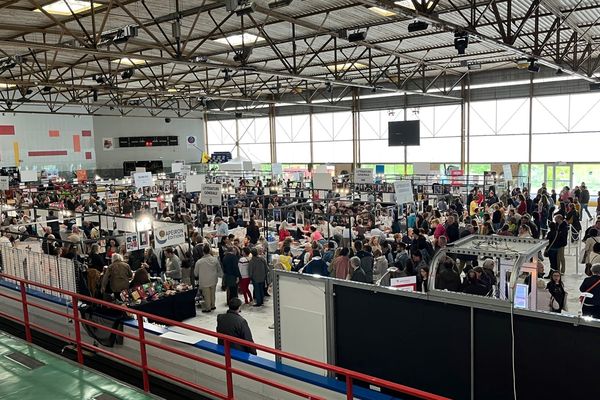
(557, 292)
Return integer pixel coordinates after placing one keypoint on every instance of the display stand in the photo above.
(514, 256)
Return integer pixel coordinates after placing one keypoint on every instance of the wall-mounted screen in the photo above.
(404, 133)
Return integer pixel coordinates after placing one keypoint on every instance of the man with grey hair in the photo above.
(357, 274)
(591, 284)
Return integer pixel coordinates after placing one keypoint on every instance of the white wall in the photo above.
(32, 134)
(115, 127)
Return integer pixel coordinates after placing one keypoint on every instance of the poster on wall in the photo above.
(168, 234)
(131, 242)
(108, 144)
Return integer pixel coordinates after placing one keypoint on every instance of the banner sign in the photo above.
(4, 182)
(142, 179)
(404, 192)
(168, 234)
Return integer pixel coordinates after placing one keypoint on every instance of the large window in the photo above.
(222, 136)
(293, 139)
(254, 139)
(332, 137)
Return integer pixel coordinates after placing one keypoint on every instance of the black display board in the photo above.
(413, 342)
(553, 359)
(404, 133)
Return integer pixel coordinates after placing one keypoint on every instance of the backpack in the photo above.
(187, 261)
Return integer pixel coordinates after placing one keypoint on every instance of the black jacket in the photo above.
(453, 232)
(585, 287)
(253, 233)
(233, 324)
(366, 264)
(447, 279)
(358, 275)
(231, 269)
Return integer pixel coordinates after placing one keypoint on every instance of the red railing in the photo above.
(146, 369)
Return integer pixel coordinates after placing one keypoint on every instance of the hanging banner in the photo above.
(363, 175)
(404, 192)
(142, 179)
(211, 194)
(131, 242)
(168, 234)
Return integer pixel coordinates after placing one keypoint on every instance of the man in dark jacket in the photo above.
(584, 199)
(447, 278)
(316, 265)
(452, 229)
(366, 259)
(233, 324)
(231, 273)
(357, 275)
(258, 271)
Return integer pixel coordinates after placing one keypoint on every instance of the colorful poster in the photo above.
(131, 242)
(108, 144)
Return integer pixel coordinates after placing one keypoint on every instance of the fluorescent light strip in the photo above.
(382, 11)
(129, 61)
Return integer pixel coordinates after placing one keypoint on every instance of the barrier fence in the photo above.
(54, 272)
(144, 342)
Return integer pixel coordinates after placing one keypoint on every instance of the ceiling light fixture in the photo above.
(65, 7)
(226, 75)
(242, 56)
(357, 36)
(533, 67)
(345, 66)
(245, 7)
(461, 41)
(417, 26)
(6, 85)
(129, 61)
(239, 40)
(120, 35)
(382, 11)
(279, 4)
(128, 73)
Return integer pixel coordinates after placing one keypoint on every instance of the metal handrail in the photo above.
(350, 375)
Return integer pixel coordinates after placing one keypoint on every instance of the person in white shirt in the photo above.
(245, 281)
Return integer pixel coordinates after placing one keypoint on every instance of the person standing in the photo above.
(258, 271)
(206, 270)
(116, 276)
(231, 273)
(591, 284)
(358, 274)
(557, 292)
(233, 324)
(584, 199)
(341, 265)
(173, 264)
(245, 280)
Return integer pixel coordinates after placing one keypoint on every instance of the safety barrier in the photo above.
(146, 369)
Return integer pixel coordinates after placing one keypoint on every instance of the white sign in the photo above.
(321, 169)
(507, 172)
(277, 169)
(408, 283)
(4, 182)
(322, 181)
(28, 176)
(140, 169)
(176, 167)
(404, 192)
(168, 234)
(186, 169)
(388, 197)
(211, 194)
(363, 175)
(193, 183)
(421, 168)
(142, 179)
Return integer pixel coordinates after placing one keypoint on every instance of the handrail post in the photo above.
(349, 388)
(143, 355)
(75, 304)
(228, 374)
(25, 311)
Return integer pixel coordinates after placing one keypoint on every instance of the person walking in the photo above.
(591, 284)
(584, 199)
(206, 271)
(258, 271)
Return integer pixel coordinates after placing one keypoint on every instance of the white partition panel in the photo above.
(302, 314)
